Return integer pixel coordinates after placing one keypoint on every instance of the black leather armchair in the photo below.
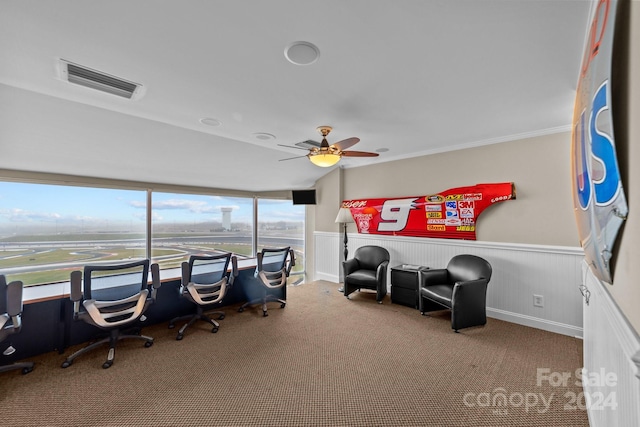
(367, 270)
(461, 287)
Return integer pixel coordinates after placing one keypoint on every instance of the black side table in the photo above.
(404, 284)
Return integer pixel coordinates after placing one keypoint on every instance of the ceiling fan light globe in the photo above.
(324, 160)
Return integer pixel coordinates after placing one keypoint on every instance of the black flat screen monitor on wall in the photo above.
(304, 197)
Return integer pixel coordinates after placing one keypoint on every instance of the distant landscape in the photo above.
(49, 258)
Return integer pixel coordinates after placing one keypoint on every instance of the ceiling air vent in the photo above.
(98, 80)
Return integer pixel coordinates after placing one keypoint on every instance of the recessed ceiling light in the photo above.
(210, 122)
(382, 150)
(264, 136)
(302, 53)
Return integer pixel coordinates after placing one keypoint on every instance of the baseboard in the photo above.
(327, 277)
(535, 322)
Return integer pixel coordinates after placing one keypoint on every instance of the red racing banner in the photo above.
(451, 214)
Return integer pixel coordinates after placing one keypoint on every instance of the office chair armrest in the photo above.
(101, 319)
(234, 270)
(14, 298)
(438, 276)
(155, 280)
(216, 291)
(76, 291)
(292, 261)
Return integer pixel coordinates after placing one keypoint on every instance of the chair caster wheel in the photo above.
(379, 302)
(25, 371)
(265, 314)
(179, 337)
(221, 317)
(107, 364)
(282, 305)
(214, 330)
(66, 364)
(148, 343)
(241, 309)
(171, 326)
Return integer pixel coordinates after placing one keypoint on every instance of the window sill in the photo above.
(54, 291)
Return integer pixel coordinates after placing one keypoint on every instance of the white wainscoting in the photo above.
(519, 272)
(611, 347)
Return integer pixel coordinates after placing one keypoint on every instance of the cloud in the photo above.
(21, 215)
(194, 206)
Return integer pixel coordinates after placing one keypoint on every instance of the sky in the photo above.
(22, 203)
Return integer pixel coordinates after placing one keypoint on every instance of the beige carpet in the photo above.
(322, 361)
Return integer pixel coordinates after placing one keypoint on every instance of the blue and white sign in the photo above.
(598, 196)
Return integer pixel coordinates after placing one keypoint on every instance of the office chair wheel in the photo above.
(241, 309)
(264, 313)
(179, 337)
(221, 317)
(107, 364)
(25, 371)
(148, 343)
(172, 325)
(66, 363)
(282, 305)
(214, 330)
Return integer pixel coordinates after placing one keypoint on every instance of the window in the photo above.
(280, 224)
(185, 224)
(48, 230)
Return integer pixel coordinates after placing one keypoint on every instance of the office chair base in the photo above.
(193, 318)
(112, 348)
(26, 367)
(263, 301)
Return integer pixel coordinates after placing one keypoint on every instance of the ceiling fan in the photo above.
(324, 155)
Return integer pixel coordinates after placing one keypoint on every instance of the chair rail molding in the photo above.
(520, 271)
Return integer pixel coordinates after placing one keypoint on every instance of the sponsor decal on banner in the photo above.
(599, 201)
(451, 214)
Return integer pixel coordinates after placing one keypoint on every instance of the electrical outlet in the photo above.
(538, 300)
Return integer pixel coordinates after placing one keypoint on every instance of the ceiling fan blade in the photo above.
(359, 154)
(346, 143)
(291, 158)
(308, 144)
(291, 146)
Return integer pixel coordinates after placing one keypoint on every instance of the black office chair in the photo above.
(274, 266)
(367, 270)
(11, 321)
(205, 281)
(115, 297)
(461, 287)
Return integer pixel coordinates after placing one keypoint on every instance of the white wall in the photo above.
(519, 272)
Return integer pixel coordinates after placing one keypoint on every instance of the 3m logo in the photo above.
(466, 204)
(436, 228)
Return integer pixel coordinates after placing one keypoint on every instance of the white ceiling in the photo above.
(414, 76)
